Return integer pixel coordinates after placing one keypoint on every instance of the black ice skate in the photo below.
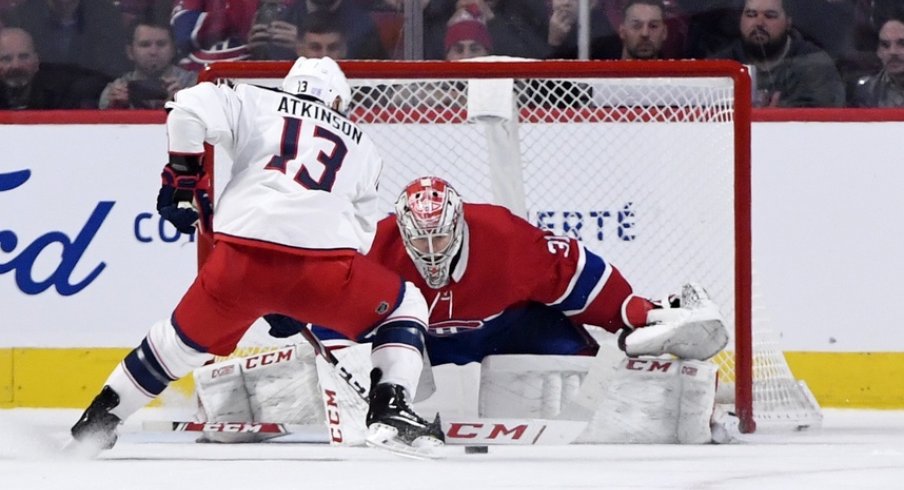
(96, 429)
(392, 424)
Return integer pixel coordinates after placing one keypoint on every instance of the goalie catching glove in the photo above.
(184, 197)
(689, 326)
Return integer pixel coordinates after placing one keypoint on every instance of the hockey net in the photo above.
(648, 163)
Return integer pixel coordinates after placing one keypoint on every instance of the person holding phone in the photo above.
(155, 79)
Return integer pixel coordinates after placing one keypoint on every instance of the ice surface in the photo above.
(854, 449)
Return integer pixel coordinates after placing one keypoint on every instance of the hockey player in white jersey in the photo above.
(289, 230)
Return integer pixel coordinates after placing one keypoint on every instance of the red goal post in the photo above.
(647, 162)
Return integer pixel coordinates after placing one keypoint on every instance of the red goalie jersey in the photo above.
(512, 289)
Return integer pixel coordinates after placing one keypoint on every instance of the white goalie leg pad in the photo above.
(656, 401)
(529, 386)
(345, 409)
(662, 401)
(221, 392)
(698, 399)
(696, 330)
(283, 386)
(222, 397)
(278, 386)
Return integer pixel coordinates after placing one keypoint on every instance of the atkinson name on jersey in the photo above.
(302, 108)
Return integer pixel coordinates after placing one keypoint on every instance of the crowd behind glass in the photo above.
(77, 54)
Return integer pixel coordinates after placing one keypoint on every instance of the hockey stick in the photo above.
(595, 384)
(479, 432)
(328, 356)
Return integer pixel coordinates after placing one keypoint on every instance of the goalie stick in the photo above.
(401, 449)
(479, 432)
(590, 394)
(328, 356)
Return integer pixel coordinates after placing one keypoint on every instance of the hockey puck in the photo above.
(476, 449)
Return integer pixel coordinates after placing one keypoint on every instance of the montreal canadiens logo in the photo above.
(451, 327)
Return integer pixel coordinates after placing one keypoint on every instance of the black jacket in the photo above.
(60, 87)
(806, 77)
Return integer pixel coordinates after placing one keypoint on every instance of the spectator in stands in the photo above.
(206, 31)
(867, 18)
(273, 34)
(321, 35)
(790, 72)
(18, 66)
(26, 83)
(155, 80)
(467, 35)
(562, 35)
(361, 31)
(643, 31)
(676, 21)
(518, 27)
(85, 33)
(886, 88)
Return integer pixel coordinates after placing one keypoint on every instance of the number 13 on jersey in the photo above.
(288, 151)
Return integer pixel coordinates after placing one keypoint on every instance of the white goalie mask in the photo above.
(429, 215)
(320, 78)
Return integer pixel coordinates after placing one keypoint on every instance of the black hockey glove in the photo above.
(184, 200)
(282, 326)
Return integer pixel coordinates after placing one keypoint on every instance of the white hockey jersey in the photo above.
(302, 174)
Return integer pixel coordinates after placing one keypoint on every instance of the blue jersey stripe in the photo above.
(147, 354)
(401, 332)
(151, 382)
(589, 279)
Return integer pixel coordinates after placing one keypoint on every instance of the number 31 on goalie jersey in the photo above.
(288, 151)
(558, 245)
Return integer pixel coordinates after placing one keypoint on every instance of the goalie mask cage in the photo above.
(647, 163)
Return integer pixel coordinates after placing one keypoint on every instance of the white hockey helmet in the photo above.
(429, 215)
(320, 78)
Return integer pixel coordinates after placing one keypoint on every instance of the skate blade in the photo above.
(385, 437)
